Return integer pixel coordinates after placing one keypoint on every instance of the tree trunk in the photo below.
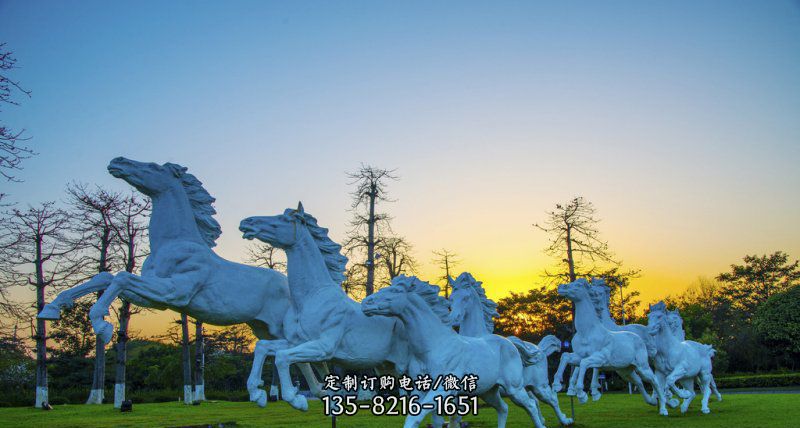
(97, 394)
(370, 287)
(41, 333)
(199, 362)
(41, 350)
(122, 353)
(187, 361)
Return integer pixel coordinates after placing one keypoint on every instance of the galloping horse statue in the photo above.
(493, 359)
(680, 361)
(323, 324)
(473, 313)
(598, 347)
(676, 325)
(182, 273)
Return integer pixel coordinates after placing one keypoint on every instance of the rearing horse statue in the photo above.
(182, 273)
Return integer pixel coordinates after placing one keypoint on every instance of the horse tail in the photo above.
(710, 351)
(549, 344)
(529, 353)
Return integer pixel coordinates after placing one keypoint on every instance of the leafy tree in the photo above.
(759, 278)
(533, 315)
(72, 333)
(777, 322)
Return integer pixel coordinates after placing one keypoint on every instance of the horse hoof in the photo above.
(663, 412)
(596, 397)
(299, 402)
(673, 402)
(104, 332)
(260, 398)
(582, 397)
(706, 411)
(567, 422)
(50, 312)
(719, 397)
(556, 387)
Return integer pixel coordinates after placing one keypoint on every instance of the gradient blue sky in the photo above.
(679, 120)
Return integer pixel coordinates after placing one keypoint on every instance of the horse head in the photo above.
(675, 321)
(393, 300)
(656, 318)
(576, 291)
(279, 231)
(469, 295)
(149, 178)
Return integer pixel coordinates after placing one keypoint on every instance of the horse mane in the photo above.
(429, 293)
(331, 251)
(489, 307)
(658, 307)
(201, 201)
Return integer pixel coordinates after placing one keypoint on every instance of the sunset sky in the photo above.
(680, 121)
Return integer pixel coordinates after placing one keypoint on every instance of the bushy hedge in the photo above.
(759, 380)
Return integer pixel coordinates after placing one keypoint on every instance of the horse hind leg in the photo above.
(705, 385)
(548, 396)
(520, 398)
(648, 376)
(688, 385)
(492, 398)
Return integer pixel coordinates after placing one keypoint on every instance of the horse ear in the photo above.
(300, 207)
(176, 169)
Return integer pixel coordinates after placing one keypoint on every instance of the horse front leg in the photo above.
(65, 299)
(264, 348)
(313, 351)
(566, 358)
(594, 387)
(175, 292)
(592, 361)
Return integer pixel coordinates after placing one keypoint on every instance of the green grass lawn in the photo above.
(613, 410)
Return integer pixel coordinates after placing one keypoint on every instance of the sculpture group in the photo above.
(305, 319)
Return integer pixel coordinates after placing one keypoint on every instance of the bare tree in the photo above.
(38, 256)
(265, 255)
(93, 211)
(575, 240)
(12, 149)
(367, 225)
(130, 229)
(395, 253)
(446, 260)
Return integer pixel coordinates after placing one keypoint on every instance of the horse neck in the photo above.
(425, 330)
(666, 339)
(473, 323)
(605, 317)
(306, 267)
(172, 219)
(585, 316)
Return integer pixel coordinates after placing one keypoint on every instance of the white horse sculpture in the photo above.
(492, 358)
(676, 325)
(596, 290)
(323, 324)
(601, 299)
(473, 313)
(599, 347)
(680, 360)
(182, 273)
